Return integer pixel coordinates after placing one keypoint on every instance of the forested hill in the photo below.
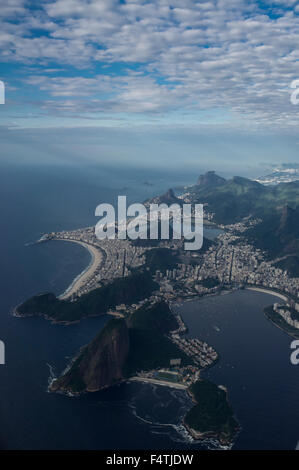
(239, 197)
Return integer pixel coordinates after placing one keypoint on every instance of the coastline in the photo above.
(222, 443)
(205, 436)
(281, 326)
(218, 440)
(79, 281)
(15, 313)
(162, 383)
(82, 278)
(268, 291)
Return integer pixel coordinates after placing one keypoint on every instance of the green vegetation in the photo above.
(160, 259)
(124, 290)
(100, 363)
(149, 347)
(280, 322)
(144, 346)
(289, 264)
(239, 197)
(149, 350)
(153, 317)
(278, 233)
(118, 352)
(169, 377)
(50, 306)
(212, 414)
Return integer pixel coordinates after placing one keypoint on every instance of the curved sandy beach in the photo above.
(268, 291)
(81, 279)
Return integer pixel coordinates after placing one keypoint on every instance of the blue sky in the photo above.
(216, 71)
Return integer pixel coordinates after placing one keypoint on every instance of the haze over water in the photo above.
(254, 355)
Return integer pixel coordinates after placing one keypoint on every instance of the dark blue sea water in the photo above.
(41, 199)
(254, 366)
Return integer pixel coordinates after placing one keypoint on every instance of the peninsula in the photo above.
(137, 281)
(142, 347)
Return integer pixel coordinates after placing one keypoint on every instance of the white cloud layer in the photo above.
(179, 55)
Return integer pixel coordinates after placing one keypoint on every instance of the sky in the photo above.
(150, 82)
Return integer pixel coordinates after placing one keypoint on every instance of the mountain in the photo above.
(232, 200)
(288, 223)
(278, 234)
(157, 317)
(289, 264)
(276, 206)
(240, 197)
(150, 347)
(166, 198)
(127, 290)
(212, 416)
(100, 363)
(123, 348)
(210, 179)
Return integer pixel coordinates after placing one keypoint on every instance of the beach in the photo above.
(165, 383)
(88, 273)
(268, 291)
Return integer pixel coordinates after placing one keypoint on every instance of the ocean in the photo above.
(254, 354)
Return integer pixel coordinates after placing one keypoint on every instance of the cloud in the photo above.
(171, 55)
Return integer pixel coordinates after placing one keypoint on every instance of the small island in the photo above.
(212, 415)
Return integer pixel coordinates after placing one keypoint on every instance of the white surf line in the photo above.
(96, 259)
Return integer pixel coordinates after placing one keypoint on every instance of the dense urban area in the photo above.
(229, 262)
